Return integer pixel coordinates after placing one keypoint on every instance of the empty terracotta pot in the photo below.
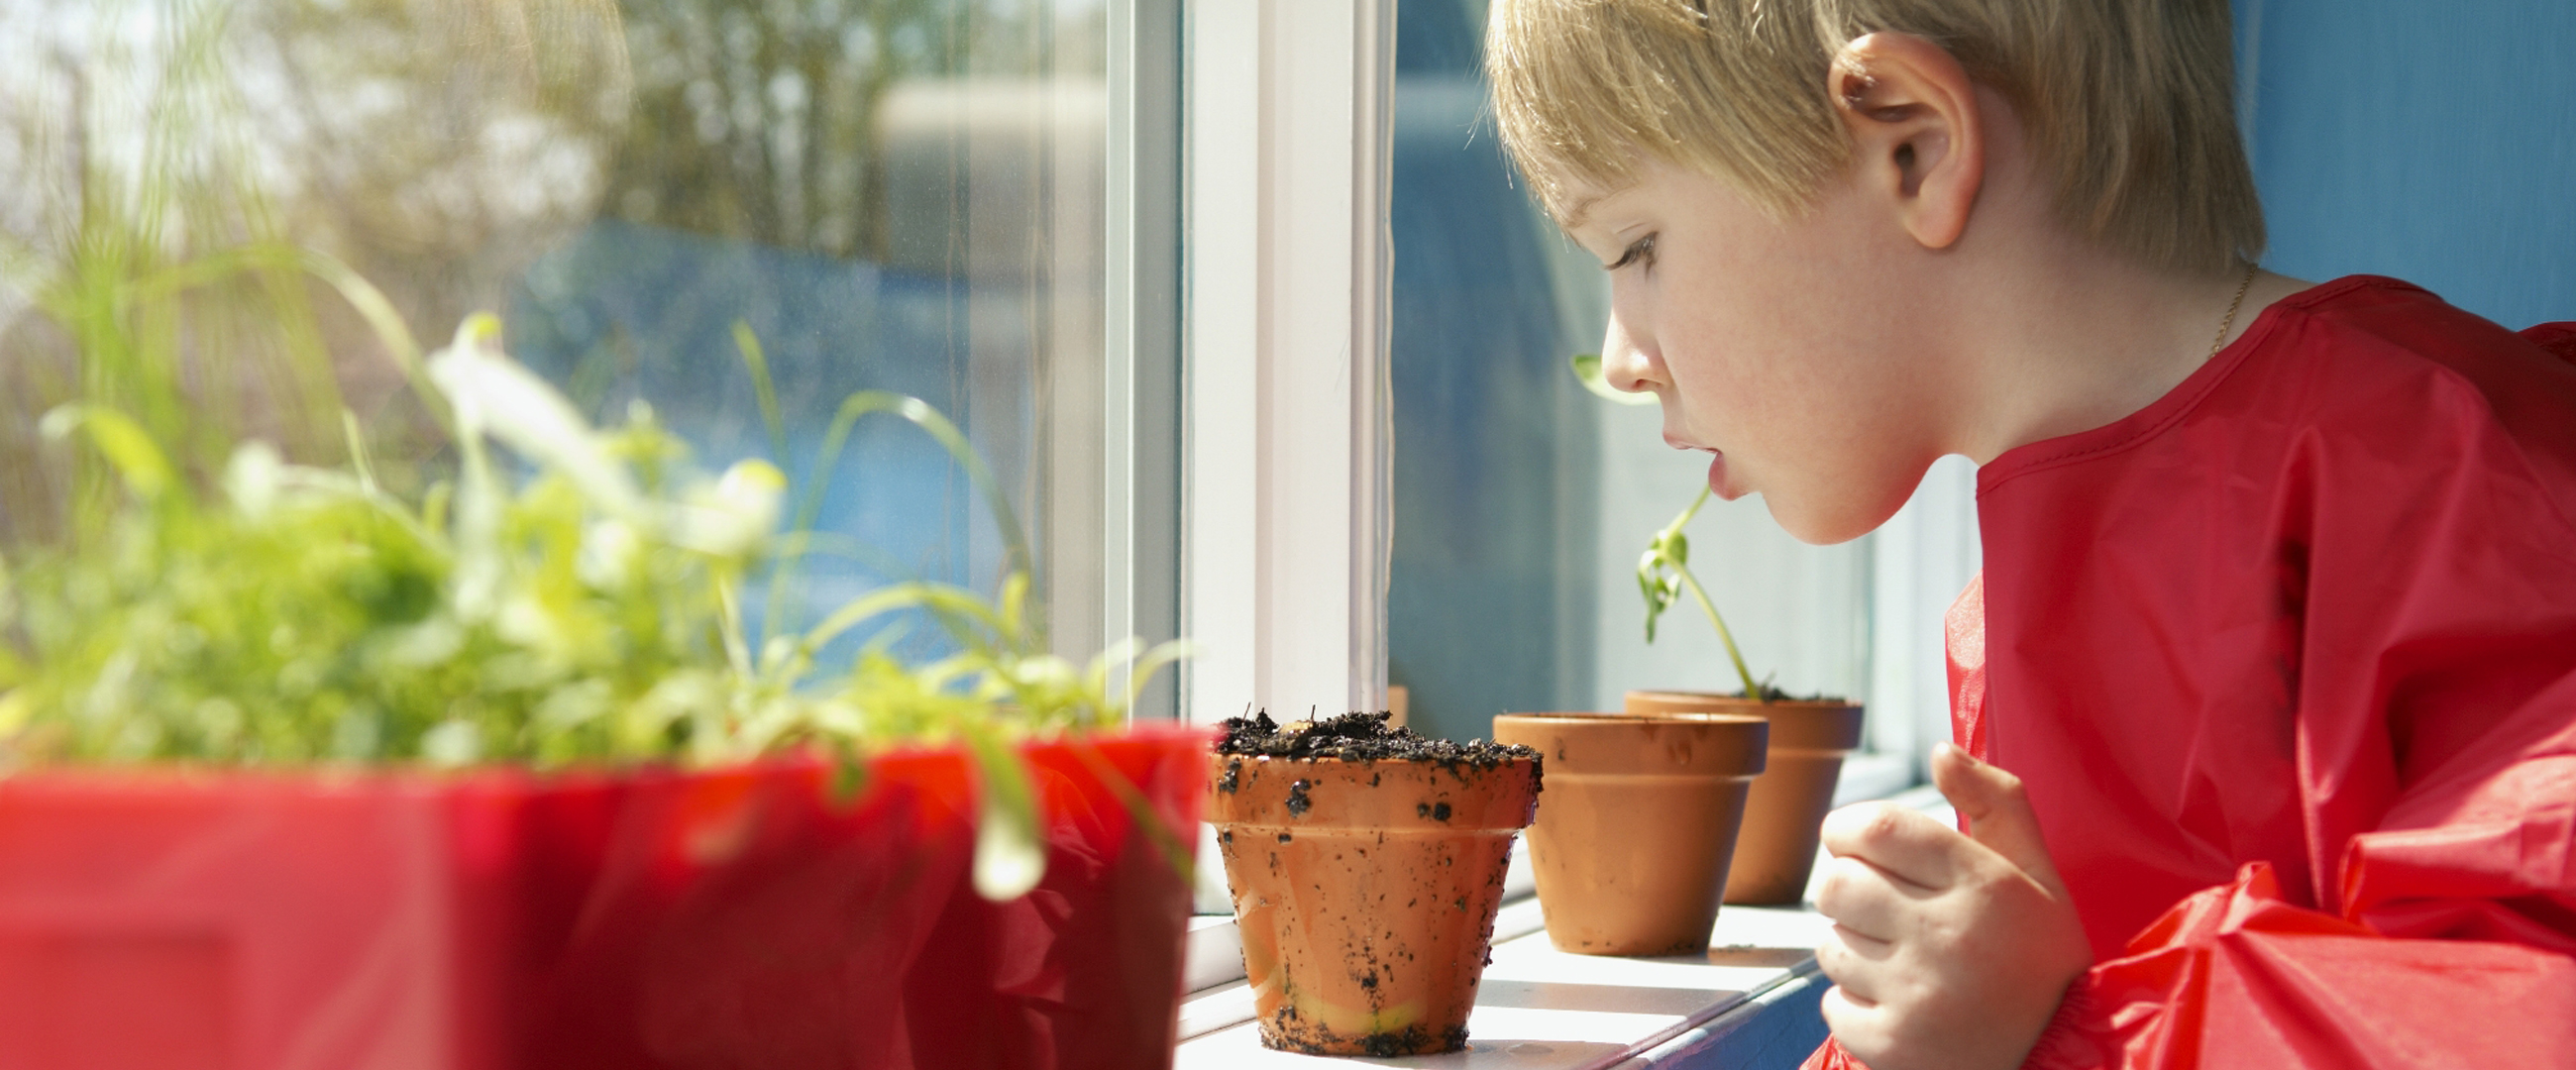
(1631, 850)
(1365, 892)
(1786, 811)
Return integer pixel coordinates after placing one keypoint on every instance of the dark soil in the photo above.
(1410, 1040)
(1773, 693)
(1356, 737)
(1770, 693)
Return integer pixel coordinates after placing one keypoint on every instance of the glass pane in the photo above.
(902, 195)
(1491, 595)
(1522, 501)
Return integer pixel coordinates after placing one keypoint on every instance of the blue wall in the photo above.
(2433, 140)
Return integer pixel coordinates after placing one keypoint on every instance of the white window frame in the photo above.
(1286, 483)
(1139, 434)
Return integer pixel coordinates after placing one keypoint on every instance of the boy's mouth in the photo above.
(1716, 467)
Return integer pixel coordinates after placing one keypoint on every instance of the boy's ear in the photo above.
(1917, 134)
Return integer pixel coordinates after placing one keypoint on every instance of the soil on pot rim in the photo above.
(1772, 693)
(1366, 875)
(1358, 737)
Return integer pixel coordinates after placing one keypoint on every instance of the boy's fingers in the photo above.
(1858, 978)
(1907, 845)
(1867, 968)
(1862, 946)
(1861, 898)
(1856, 1022)
(1843, 1010)
(1997, 810)
(1858, 964)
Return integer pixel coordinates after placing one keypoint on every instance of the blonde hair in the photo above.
(2129, 103)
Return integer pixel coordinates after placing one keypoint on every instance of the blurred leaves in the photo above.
(437, 148)
(581, 605)
(260, 526)
(759, 120)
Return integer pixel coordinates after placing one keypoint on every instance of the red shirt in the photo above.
(2287, 661)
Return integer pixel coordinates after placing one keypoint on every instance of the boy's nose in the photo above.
(1625, 365)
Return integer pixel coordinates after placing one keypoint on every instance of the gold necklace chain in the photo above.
(2221, 341)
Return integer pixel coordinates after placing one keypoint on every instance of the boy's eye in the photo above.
(1641, 251)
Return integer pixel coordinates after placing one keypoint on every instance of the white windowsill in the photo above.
(1543, 1009)
(1750, 1001)
(1873, 776)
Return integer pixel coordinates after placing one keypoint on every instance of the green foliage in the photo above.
(586, 612)
(547, 593)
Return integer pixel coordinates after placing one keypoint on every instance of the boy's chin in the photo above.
(1823, 523)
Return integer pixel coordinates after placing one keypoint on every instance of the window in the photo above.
(1373, 465)
(910, 195)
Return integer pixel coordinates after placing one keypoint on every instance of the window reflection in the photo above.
(891, 194)
(1489, 607)
(1521, 501)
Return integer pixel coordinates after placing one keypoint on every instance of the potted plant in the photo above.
(1366, 865)
(1609, 883)
(1809, 737)
(302, 771)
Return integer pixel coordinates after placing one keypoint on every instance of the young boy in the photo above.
(2277, 634)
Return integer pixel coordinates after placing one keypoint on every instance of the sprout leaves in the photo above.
(1587, 370)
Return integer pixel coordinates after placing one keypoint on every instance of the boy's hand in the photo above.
(1949, 950)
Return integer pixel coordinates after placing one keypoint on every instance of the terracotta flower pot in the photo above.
(1365, 892)
(1782, 818)
(1632, 848)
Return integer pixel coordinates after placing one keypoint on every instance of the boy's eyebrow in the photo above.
(1574, 214)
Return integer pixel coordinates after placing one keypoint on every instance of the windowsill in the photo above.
(1543, 1009)
(1874, 776)
(1749, 1002)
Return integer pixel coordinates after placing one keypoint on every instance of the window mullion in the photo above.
(1141, 418)
(1286, 452)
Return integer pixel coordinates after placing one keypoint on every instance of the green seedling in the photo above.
(1587, 370)
(1663, 572)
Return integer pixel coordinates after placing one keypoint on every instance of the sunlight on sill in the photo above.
(1749, 1002)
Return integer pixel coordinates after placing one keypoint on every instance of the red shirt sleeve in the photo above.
(2558, 338)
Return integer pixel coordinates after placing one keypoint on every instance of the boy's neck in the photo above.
(2062, 336)
(2035, 330)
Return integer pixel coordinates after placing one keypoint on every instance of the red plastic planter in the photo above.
(498, 919)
